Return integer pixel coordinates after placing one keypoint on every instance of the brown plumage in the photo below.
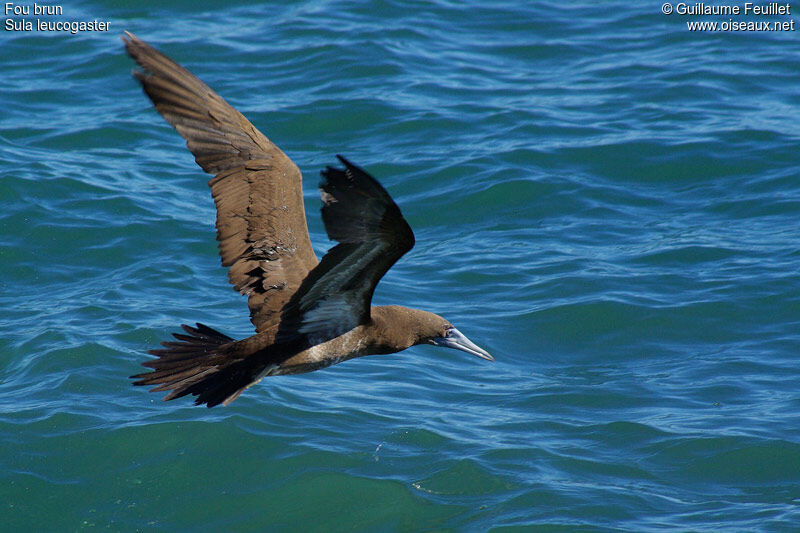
(307, 314)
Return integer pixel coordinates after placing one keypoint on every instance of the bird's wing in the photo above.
(261, 222)
(372, 234)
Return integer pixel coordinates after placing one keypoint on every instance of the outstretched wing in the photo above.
(261, 221)
(372, 234)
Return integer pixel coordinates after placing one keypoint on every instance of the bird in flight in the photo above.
(308, 314)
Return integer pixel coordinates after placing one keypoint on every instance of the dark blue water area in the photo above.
(604, 200)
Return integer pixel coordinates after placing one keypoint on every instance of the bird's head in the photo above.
(399, 328)
(436, 330)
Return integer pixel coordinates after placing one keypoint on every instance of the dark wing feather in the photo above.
(372, 234)
(261, 222)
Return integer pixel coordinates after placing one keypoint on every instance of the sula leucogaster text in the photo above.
(308, 314)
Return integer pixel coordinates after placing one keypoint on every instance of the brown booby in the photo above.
(308, 314)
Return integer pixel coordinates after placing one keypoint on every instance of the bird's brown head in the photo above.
(406, 327)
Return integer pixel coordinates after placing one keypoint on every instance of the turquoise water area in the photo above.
(604, 200)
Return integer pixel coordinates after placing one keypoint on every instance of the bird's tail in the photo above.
(200, 363)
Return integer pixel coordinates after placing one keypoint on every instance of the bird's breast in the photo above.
(346, 346)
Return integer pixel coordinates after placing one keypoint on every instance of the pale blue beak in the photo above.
(456, 340)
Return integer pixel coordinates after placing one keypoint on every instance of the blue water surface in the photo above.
(606, 201)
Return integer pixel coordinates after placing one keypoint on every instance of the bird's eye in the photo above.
(448, 330)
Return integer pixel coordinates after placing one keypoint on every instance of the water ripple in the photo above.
(605, 201)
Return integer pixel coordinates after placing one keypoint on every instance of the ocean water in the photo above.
(606, 201)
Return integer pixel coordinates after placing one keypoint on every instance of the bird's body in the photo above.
(308, 314)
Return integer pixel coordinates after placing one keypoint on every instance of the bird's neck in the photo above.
(390, 329)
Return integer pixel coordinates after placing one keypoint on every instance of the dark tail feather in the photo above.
(198, 364)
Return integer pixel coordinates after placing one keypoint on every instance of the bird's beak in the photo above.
(456, 340)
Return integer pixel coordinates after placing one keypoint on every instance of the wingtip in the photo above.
(343, 160)
(347, 164)
(329, 172)
(128, 38)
